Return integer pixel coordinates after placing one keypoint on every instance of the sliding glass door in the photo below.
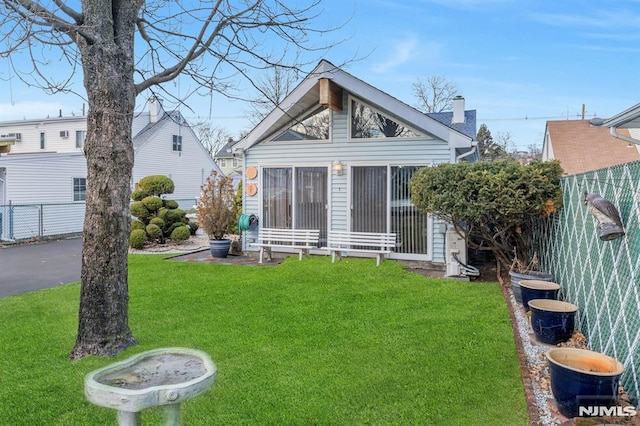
(295, 198)
(381, 202)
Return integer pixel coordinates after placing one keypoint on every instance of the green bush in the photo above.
(139, 210)
(174, 215)
(156, 185)
(138, 195)
(170, 204)
(153, 231)
(181, 233)
(152, 202)
(137, 238)
(175, 226)
(157, 221)
(157, 217)
(492, 202)
(136, 224)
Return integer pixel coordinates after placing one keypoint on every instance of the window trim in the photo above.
(79, 196)
(177, 143)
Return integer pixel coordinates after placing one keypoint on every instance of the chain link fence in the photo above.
(601, 277)
(24, 222)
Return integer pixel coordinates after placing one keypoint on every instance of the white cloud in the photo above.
(399, 53)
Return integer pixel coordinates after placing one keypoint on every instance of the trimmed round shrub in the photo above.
(174, 215)
(181, 233)
(157, 221)
(152, 202)
(156, 185)
(138, 194)
(175, 226)
(137, 238)
(171, 204)
(162, 213)
(153, 231)
(136, 224)
(139, 210)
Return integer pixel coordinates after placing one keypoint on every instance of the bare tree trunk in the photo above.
(103, 327)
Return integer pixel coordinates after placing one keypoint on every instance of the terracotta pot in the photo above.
(583, 378)
(516, 277)
(537, 289)
(552, 321)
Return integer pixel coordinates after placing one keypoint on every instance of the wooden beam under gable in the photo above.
(330, 94)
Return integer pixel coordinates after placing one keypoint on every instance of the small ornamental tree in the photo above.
(493, 204)
(215, 209)
(156, 217)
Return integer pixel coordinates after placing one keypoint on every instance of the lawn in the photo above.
(301, 343)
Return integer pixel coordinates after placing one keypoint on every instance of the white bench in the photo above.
(298, 239)
(368, 242)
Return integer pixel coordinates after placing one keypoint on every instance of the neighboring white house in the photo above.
(42, 162)
(337, 154)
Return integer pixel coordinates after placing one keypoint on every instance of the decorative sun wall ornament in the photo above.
(609, 222)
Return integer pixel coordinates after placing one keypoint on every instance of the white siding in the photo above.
(31, 129)
(188, 168)
(46, 178)
(350, 153)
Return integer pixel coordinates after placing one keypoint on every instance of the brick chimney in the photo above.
(458, 110)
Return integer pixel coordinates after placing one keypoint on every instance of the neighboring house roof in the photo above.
(468, 127)
(307, 96)
(581, 147)
(225, 151)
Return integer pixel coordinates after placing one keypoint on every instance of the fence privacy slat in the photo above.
(600, 277)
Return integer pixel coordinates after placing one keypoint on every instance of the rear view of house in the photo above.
(338, 154)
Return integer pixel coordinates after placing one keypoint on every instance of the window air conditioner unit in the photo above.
(64, 134)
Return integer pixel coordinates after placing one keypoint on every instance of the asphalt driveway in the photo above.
(30, 267)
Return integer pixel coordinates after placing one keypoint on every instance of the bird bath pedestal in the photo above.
(158, 377)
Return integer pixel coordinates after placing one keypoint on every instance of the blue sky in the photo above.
(518, 63)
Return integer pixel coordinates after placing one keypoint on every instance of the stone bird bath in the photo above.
(164, 377)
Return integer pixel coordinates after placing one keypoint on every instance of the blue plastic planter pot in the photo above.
(219, 248)
(516, 277)
(583, 378)
(552, 321)
(537, 289)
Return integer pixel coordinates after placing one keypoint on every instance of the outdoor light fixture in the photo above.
(337, 167)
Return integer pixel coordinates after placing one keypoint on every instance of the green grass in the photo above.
(302, 343)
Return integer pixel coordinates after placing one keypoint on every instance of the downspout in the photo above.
(474, 147)
(617, 135)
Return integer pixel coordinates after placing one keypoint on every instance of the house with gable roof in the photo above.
(585, 145)
(338, 154)
(42, 162)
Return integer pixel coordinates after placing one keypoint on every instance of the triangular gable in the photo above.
(306, 96)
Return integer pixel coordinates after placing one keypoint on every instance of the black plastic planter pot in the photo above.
(537, 289)
(219, 248)
(583, 378)
(516, 277)
(552, 321)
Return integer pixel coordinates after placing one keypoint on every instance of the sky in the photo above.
(518, 63)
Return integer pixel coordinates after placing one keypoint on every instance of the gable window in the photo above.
(369, 123)
(235, 162)
(79, 189)
(315, 125)
(81, 135)
(177, 143)
(41, 140)
(223, 162)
